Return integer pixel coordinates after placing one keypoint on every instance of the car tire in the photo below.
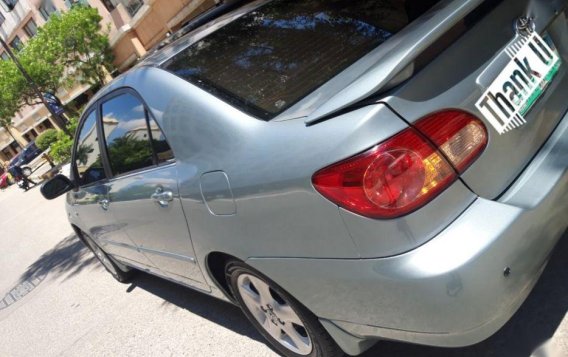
(290, 328)
(120, 272)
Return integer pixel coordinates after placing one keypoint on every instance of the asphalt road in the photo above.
(58, 300)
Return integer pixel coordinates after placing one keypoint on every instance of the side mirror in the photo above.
(56, 187)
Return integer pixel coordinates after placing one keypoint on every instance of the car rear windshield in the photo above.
(269, 59)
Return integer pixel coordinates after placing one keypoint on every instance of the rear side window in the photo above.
(126, 134)
(88, 155)
(163, 151)
(269, 59)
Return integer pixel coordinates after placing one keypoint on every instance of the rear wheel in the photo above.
(291, 328)
(120, 272)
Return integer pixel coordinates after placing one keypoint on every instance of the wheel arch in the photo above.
(78, 232)
(216, 264)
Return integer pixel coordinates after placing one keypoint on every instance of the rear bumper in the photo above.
(452, 291)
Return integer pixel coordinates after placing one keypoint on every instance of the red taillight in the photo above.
(405, 172)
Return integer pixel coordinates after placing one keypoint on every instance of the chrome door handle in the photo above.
(163, 198)
(105, 203)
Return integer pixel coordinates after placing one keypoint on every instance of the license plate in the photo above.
(532, 67)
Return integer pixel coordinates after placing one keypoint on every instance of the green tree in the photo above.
(60, 150)
(45, 139)
(9, 101)
(70, 47)
(74, 41)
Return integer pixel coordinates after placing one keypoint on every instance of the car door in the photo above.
(89, 202)
(143, 192)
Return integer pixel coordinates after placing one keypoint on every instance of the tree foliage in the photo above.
(8, 96)
(75, 41)
(71, 47)
(45, 139)
(60, 150)
(8, 92)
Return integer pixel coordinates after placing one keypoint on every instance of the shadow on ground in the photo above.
(533, 325)
(212, 309)
(68, 258)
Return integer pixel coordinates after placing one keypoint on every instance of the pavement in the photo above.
(57, 300)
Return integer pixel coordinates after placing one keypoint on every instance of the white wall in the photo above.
(14, 18)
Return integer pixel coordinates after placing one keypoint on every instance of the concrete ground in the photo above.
(58, 300)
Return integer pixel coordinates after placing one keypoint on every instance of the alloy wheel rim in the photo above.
(274, 314)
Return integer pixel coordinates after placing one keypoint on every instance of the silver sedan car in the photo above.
(344, 171)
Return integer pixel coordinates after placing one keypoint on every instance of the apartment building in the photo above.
(135, 27)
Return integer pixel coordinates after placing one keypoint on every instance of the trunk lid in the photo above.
(515, 84)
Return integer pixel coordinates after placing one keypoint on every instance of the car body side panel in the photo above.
(100, 224)
(208, 135)
(269, 166)
(160, 233)
(381, 238)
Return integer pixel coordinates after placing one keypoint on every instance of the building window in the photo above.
(31, 28)
(109, 5)
(2, 19)
(46, 9)
(70, 3)
(16, 43)
(10, 4)
(132, 6)
(5, 56)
